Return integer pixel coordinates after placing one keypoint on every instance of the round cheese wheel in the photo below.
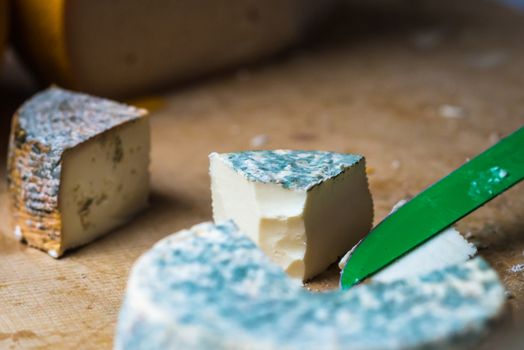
(210, 287)
(120, 48)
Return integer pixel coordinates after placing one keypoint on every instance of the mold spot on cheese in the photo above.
(83, 211)
(118, 154)
(69, 166)
(304, 209)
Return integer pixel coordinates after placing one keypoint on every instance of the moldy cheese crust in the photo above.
(43, 130)
(291, 169)
(212, 287)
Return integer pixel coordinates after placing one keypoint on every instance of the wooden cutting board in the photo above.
(417, 87)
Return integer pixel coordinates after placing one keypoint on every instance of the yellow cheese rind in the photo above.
(39, 228)
(40, 36)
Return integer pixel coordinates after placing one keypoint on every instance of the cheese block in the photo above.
(120, 48)
(77, 168)
(211, 287)
(305, 209)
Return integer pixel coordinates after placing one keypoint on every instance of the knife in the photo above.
(439, 206)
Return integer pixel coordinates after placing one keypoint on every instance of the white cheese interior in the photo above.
(338, 214)
(446, 249)
(104, 182)
(302, 231)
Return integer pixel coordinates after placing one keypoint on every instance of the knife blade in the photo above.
(436, 208)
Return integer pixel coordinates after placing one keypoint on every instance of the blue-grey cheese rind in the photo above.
(211, 287)
(44, 127)
(292, 169)
(62, 119)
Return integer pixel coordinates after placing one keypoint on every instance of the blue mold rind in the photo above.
(210, 287)
(296, 170)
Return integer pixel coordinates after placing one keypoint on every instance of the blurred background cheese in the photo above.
(121, 48)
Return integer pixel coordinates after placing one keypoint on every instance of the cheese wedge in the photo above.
(77, 168)
(305, 209)
(117, 48)
(211, 287)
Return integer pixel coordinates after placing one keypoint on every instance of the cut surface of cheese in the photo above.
(212, 287)
(446, 249)
(304, 209)
(78, 167)
(118, 48)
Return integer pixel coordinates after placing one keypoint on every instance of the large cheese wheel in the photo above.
(117, 48)
(211, 287)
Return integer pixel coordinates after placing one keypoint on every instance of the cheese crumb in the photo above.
(259, 140)
(517, 268)
(395, 164)
(451, 112)
(18, 232)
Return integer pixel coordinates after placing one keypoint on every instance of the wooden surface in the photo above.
(381, 80)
